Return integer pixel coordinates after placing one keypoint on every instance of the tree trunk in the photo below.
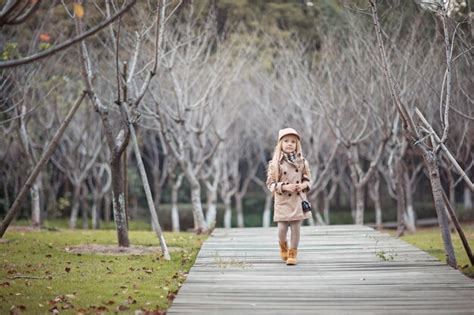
(200, 224)
(452, 197)
(6, 200)
(326, 202)
(107, 208)
(267, 210)
(227, 213)
(352, 202)
(35, 203)
(319, 219)
(157, 190)
(132, 206)
(95, 212)
(239, 211)
(437, 190)
(75, 206)
(118, 202)
(401, 206)
(375, 196)
(84, 209)
(467, 198)
(410, 218)
(211, 208)
(359, 192)
(174, 208)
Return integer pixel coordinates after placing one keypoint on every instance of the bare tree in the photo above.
(414, 133)
(125, 97)
(76, 156)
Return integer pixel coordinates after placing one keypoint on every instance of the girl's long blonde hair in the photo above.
(274, 167)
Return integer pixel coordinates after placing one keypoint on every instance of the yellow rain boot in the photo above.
(284, 250)
(292, 257)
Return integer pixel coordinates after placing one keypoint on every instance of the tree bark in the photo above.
(374, 193)
(451, 188)
(174, 203)
(95, 213)
(118, 201)
(174, 209)
(227, 213)
(75, 206)
(200, 224)
(84, 209)
(401, 206)
(211, 208)
(359, 194)
(467, 198)
(456, 223)
(437, 191)
(326, 202)
(410, 218)
(35, 203)
(267, 210)
(239, 210)
(107, 208)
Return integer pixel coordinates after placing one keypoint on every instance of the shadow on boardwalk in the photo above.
(341, 269)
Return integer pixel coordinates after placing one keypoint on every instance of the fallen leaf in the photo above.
(78, 10)
(17, 309)
(67, 306)
(171, 296)
(123, 307)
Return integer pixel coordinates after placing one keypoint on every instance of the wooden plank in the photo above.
(339, 270)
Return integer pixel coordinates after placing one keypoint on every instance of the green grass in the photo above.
(429, 240)
(53, 224)
(88, 283)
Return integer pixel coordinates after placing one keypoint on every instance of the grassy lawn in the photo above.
(429, 240)
(38, 275)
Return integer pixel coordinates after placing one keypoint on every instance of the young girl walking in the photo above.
(289, 178)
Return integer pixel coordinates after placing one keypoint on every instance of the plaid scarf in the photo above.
(290, 156)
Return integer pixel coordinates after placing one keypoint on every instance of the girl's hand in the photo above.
(301, 187)
(290, 187)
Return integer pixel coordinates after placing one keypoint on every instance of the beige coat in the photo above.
(288, 204)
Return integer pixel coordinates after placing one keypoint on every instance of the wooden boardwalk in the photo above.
(341, 269)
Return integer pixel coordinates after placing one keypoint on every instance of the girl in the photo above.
(289, 178)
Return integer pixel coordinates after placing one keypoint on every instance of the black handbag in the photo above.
(306, 206)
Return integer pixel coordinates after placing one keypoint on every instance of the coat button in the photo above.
(289, 195)
(284, 173)
(297, 181)
(298, 194)
(296, 171)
